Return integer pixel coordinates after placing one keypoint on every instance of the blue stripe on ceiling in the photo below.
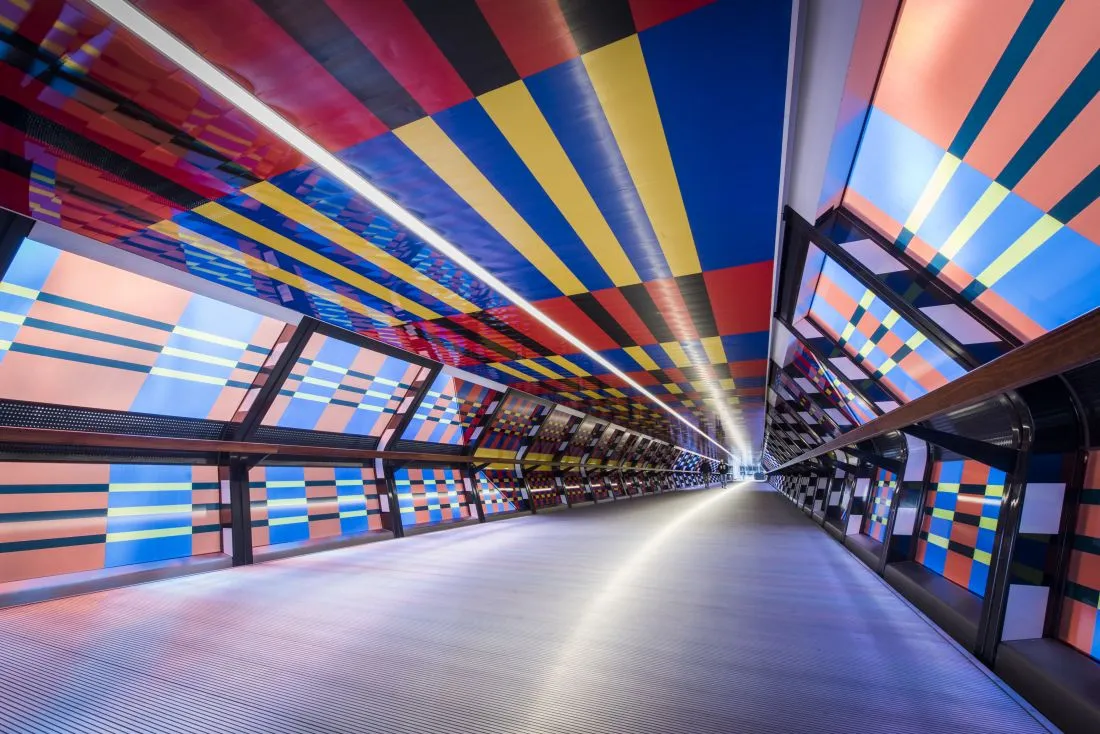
(472, 130)
(658, 355)
(960, 195)
(742, 347)
(396, 170)
(723, 119)
(569, 103)
(893, 164)
(1065, 291)
(586, 363)
(336, 201)
(290, 229)
(1004, 226)
(617, 357)
(297, 299)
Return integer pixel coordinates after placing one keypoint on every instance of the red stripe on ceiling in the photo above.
(13, 192)
(393, 34)
(522, 322)
(670, 303)
(675, 375)
(748, 368)
(533, 33)
(643, 378)
(493, 335)
(648, 13)
(615, 303)
(570, 316)
(249, 46)
(741, 297)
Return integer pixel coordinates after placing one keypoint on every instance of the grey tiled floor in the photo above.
(715, 611)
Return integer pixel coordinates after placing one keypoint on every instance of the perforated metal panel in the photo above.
(404, 444)
(57, 417)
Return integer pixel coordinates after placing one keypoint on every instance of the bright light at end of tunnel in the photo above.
(190, 61)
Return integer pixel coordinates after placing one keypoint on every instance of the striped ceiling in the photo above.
(614, 162)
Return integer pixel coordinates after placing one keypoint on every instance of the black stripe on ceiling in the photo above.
(693, 289)
(642, 303)
(596, 23)
(471, 335)
(16, 164)
(317, 29)
(599, 315)
(511, 332)
(57, 136)
(465, 38)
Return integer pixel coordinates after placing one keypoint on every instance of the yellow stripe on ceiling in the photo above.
(644, 360)
(425, 139)
(300, 212)
(170, 229)
(990, 199)
(243, 225)
(932, 191)
(515, 113)
(618, 73)
(536, 367)
(1025, 244)
(676, 353)
(513, 372)
(716, 353)
(563, 362)
(673, 388)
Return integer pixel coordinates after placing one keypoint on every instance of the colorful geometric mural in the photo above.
(295, 503)
(553, 432)
(76, 332)
(544, 488)
(340, 387)
(500, 489)
(576, 488)
(882, 495)
(580, 443)
(582, 171)
(1080, 621)
(959, 523)
(979, 162)
(894, 352)
(511, 426)
(430, 496)
(64, 518)
(452, 412)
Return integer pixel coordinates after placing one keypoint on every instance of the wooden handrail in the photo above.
(81, 439)
(1069, 346)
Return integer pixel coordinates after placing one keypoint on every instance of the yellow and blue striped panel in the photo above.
(67, 518)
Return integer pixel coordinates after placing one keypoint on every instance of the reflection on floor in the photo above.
(712, 611)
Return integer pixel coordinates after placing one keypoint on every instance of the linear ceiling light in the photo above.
(187, 59)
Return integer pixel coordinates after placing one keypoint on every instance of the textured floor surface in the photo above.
(717, 611)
